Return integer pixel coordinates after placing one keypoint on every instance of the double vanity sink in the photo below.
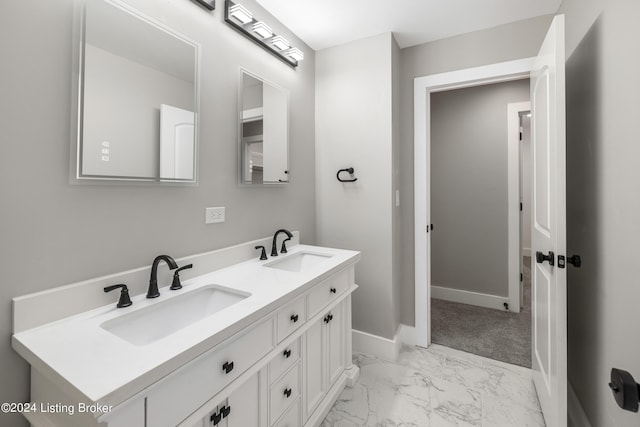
(126, 359)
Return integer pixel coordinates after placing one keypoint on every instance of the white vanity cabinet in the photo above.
(285, 367)
(324, 356)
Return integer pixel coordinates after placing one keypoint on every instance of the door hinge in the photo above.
(520, 206)
(429, 227)
(521, 277)
(520, 136)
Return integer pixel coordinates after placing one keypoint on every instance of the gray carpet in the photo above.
(499, 335)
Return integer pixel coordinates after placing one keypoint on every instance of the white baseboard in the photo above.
(467, 297)
(577, 416)
(407, 335)
(374, 345)
(526, 251)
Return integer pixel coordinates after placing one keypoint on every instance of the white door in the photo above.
(177, 143)
(548, 237)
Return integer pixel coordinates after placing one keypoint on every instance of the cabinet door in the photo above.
(244, 405)
(334, 344)
(314, 367)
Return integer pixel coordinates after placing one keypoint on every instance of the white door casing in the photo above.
(549, 283)
(420, 334)
(513, 211)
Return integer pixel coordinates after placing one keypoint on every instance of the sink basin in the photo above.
(298, 262)
(157, 321)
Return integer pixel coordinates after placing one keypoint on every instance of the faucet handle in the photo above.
(176, 277)
(263, 254)
(283, 250)
(124, 300)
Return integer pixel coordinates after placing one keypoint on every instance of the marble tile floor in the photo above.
(437, 387)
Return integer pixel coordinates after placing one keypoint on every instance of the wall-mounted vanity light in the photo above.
(209, 4)
(242, 21)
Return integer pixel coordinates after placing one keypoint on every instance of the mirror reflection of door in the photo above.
(126, 76)
(264, 132)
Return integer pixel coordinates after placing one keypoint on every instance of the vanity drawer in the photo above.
(284, 392)
(291, 317)
(291, 418)
(328, 291)
(186, 389)
(284, 360)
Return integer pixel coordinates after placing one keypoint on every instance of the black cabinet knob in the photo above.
(287, 392)
(227, 367)
(332, 290)
(328, 318)
(287, 353)
(550, 258)
(294, 318)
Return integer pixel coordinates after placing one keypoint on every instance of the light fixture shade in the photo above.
(262, 29)
(295, 53)
(280, 43)
(240, 13)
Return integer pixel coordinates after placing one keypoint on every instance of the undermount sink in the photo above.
(298, 262)
(157, 321)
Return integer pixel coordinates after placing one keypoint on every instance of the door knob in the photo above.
(575, 260)
(540, 258)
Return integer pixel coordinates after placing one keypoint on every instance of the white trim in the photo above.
(423, 86)
(468, 297)
(577, 416)
(407, 335)
(526, 251)
(513, 201)
(374, 345)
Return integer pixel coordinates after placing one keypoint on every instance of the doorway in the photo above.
(420, 334)
(476, 196)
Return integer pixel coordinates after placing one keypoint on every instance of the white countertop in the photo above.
(108, 370)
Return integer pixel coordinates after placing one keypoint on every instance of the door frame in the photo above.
(514, 198)
(420, 334)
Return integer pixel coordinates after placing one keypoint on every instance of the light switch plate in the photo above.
(214, 215)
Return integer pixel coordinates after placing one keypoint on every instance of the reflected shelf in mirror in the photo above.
(264, 131)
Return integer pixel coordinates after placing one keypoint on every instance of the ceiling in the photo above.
(326, 23)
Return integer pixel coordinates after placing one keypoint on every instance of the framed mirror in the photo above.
(137, 97)
(264, 131)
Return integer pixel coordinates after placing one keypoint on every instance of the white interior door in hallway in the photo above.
(548, 235)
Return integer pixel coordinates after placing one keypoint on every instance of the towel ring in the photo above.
(349, 171)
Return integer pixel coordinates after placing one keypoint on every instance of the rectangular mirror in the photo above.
(138, 97)
(264, 131)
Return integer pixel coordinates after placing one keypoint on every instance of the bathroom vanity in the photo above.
(246, 343)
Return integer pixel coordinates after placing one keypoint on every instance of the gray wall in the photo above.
(504, 43)
(603, 200)
(469, 186)
(354, 128)
(54, 233)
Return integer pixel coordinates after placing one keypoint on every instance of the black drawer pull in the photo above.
(333, 290)
(328, 318)
(287, 392)
(287, 353)
(294, 318)
(215, 418)
(227, 367)
(225, 411)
